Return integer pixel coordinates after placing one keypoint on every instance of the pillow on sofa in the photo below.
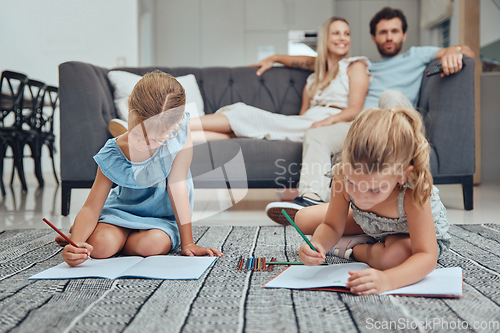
(124, 82)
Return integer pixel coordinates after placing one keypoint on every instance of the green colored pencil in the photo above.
(300, 232)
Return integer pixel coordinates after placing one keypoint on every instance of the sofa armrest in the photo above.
(448, 108)
(86, 105)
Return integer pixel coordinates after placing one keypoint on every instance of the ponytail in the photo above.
(420, 178)
(381, 139)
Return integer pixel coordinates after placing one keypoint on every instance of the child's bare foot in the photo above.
(61, 241)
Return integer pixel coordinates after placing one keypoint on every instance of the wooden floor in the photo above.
(227, 300)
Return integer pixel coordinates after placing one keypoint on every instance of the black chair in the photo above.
(46, 124)
(12, 85)
(29, 130)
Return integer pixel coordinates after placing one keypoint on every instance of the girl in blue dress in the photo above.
(149, 212)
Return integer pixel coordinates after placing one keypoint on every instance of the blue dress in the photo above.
(141, 200)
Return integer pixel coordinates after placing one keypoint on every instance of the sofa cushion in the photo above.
(264, 163)
(123, 83)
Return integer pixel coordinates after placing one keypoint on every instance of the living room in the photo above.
(203, 34)
(143, 31)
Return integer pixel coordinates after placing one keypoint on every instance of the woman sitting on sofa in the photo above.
(336, 89)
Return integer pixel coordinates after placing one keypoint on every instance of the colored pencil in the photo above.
(297, 228)
(60, 232)
(273, 259)
(290, 263)
(240, 264)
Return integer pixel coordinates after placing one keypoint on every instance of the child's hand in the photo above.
(310, 257)
(76, 255)
(368, 281)
(195, 250)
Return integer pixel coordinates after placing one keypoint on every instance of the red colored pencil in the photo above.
(271, 263)
(60, 232)
(240, 264)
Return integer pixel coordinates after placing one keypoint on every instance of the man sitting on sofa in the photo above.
(395, 82)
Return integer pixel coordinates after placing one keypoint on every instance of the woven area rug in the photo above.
(227, 300)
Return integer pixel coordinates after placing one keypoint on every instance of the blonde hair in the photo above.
(157, 94)
(321, 80)
(390, 140)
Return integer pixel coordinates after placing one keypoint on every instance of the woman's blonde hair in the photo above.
(321, 80)
(158, 95)
(389, 141)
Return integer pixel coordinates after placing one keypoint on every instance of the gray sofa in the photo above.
(86, 106)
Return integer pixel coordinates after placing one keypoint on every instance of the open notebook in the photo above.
(154, 267)
(442, 282)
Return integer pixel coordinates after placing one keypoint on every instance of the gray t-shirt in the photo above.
(402, 72)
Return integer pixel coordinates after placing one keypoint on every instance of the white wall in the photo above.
(489, 26)
(229, 32)
(37, 35)
(490, 22)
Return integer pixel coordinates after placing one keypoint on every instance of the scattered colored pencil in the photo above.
(260, 264)
(273, 259)
(240, 264)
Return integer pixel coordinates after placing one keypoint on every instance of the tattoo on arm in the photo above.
(302, 65)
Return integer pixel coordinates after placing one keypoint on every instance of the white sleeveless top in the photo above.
(337, 92)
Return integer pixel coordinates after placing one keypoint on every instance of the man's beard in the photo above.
(385, 54)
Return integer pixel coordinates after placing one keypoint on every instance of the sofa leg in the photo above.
(468, 192)
(65, 198)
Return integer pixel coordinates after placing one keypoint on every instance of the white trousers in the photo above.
(323, 142)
